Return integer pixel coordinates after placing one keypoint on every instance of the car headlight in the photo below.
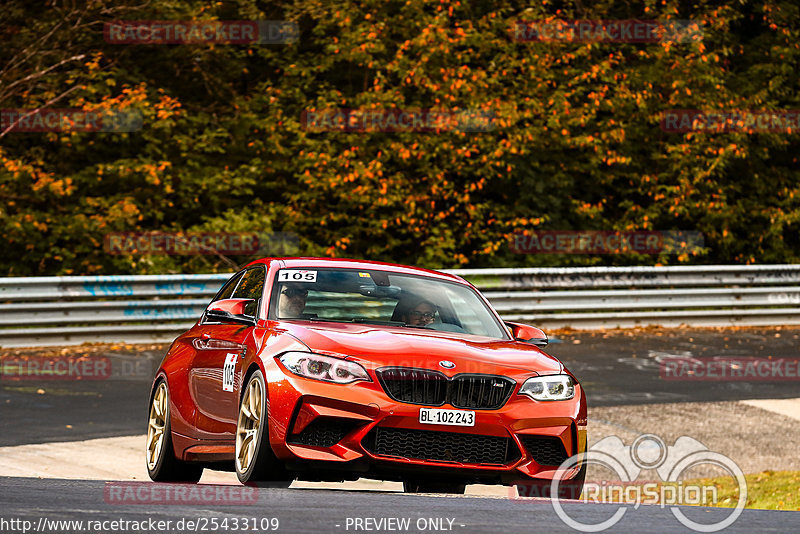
(549, 387)
(325, 368)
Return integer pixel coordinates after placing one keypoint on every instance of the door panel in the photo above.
(215, 389)
(216, 370)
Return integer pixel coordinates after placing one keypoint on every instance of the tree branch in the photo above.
(34, 111)
(41, 73)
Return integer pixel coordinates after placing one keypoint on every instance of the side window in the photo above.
(251, 287)
(227, 290)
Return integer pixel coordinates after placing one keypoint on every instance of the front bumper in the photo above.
(324, 428)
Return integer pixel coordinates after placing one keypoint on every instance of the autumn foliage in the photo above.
(575, 141)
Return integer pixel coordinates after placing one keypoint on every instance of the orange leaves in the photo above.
(573, 127)
(14, 166)
(63, 187)
(523, 221)
(167, 107)
(93, 64)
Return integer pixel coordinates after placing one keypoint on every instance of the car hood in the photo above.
(378, 346)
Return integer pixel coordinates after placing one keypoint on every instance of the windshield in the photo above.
(384, 298)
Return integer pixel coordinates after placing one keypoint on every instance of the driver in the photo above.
(292, 301)
(421, 313)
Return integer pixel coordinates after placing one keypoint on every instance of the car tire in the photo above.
(255, 461)
(424, 486)
(162, 464)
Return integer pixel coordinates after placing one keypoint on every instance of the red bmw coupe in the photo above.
(328, 369)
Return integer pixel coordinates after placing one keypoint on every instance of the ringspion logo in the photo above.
(647, 453)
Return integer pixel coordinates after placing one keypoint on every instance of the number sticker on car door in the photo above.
(228, 371)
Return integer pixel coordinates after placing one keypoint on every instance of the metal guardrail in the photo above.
(66, 310)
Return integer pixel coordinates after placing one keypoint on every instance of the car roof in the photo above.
(345, 263)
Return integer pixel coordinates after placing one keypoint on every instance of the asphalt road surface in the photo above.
(616, 368)
(626, 367)
(315, 511)
(45, 411)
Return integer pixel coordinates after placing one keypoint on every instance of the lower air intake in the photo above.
(441, 446)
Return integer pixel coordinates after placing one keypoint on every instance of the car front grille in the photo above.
(480, 392)
(545, 450)
(417, 386)
(441, 446)
(432, 388)
(323, 432)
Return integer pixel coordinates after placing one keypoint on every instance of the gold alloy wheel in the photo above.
(250, 414)
(156, 425)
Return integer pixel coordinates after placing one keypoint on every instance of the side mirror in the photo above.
(528, 334)
(241, 311)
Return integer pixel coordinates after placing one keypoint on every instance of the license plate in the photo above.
(431, 416)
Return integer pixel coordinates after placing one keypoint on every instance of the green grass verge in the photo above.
(769, 490)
